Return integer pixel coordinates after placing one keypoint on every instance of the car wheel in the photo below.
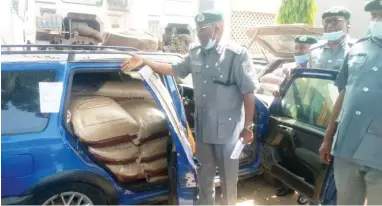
(71, 194)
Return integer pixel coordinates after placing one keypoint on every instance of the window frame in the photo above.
(48, 115)
(277, 108)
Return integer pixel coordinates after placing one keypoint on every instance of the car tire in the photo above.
(75, 191)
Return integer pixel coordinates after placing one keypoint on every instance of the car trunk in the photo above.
(119, 125)
(279, 42)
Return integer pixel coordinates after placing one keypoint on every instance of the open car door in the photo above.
(298, 119)
(182, 168)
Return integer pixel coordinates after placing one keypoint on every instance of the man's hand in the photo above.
(134, 62)
(324, 150)
(247, 136)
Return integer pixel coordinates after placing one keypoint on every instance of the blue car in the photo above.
(43, 162)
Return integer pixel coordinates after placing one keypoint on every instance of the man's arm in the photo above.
(332, 126)
(249, 108)
(246, 80)
(159, 67)
(341, 82)
(181, 68)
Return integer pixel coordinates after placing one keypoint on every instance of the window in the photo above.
(310, 101)
(20, 101)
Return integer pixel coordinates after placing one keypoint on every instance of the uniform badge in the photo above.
(303, 38)
(248, 69)
(200, 18)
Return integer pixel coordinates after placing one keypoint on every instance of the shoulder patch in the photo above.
(248, 68)
(362, 39)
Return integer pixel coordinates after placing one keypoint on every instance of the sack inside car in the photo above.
(119, 125)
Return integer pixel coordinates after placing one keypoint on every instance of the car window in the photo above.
(310, 101)
(20, 102)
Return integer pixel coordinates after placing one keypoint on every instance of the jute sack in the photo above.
(123, 153)
(132, 90)
(127, 172)
(100, 121)
(153, 150)
(151, 121)
(157, 178)
(154, 167)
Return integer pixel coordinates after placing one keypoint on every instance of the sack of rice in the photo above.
(101, 121)
(151, 121)
(123, 153)
(153, 150)
(132, 90)
(157, 178)
(154, 167)
(127, 172)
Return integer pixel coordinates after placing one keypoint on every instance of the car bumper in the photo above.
(14, 200)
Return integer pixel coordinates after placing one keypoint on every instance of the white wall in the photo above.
(261, 6)
(359, 20)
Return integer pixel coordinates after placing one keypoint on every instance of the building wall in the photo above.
(360, 19)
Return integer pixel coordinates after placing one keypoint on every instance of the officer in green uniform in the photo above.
(354, 134)
(270, 83)
(224, 84)
(329, 53)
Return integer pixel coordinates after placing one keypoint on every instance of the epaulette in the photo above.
(236, 48)
(319, 44)
(362, 39)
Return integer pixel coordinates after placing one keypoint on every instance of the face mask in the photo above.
(211, 43)
(334, 36)
(301, 59)
(376, 29)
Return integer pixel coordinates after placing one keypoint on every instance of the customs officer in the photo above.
(354, 134)
(330, 53)
(224, 84)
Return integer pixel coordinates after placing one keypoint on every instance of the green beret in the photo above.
(305, 40)
(337, 11)
(373, 5)
(208, 17)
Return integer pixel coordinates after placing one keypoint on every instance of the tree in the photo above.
(297, 11)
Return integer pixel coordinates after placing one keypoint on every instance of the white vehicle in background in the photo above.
(59, 21)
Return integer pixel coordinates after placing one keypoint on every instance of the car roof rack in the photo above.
(71, 50)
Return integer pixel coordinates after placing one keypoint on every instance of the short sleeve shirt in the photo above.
(221, 76)
(359, 133)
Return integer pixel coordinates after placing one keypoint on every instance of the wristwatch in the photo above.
(249, 127)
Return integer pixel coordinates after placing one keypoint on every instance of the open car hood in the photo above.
(279, 39)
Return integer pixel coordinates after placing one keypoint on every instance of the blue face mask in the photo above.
(211, 43)
(302, 59)
(334, 36)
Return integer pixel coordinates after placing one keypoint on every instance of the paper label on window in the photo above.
(50, 96)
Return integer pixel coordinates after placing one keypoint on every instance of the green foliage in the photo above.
(297, 11)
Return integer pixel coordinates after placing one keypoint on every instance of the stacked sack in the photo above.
(129, 136)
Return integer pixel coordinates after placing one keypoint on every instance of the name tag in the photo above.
(197, 63)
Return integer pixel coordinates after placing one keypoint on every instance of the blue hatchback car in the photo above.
(44, 163)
